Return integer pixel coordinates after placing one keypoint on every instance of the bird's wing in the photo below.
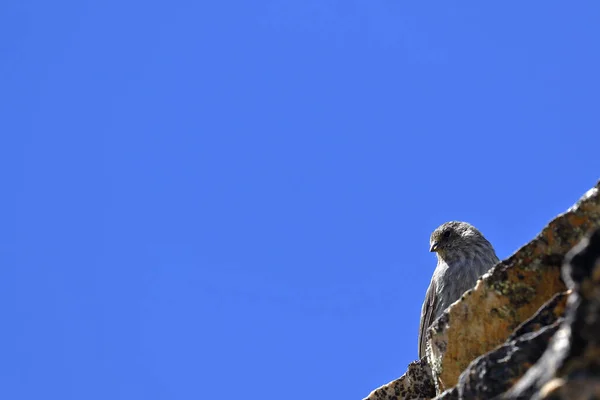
(427, 312)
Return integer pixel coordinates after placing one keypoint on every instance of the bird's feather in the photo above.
(427, 313)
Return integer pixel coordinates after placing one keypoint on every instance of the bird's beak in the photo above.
(434, 247)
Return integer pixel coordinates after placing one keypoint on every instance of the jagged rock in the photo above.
(570, 367)
(415, 384)
(548, 314)
(507, 295)
(496, 371)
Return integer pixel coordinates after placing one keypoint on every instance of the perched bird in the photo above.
(463, 255)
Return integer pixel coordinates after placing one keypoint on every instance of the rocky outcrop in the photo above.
(488, 340)
(548, 314)
(415, 384)
(570, 367)
(495, 372)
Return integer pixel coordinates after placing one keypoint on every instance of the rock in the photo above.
(507, 295)
(548, 314)
(495, 372)
(570, 367)
(415, 384)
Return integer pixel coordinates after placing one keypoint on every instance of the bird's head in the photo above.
(455, 236)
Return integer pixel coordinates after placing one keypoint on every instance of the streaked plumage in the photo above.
(463, 255)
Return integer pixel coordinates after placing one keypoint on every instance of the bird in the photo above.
(463, 255)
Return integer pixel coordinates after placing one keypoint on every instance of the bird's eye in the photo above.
(446, 235)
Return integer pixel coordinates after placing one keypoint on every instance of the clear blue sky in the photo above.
(211, 199)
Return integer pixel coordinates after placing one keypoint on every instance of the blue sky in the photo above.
(234, 199)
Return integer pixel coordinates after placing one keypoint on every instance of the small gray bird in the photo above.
(463, 255)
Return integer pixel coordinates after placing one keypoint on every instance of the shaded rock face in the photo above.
(495, 372)
(415, 384)
(570, 367)
(548, 314)
(507, 295)
(518, 334)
